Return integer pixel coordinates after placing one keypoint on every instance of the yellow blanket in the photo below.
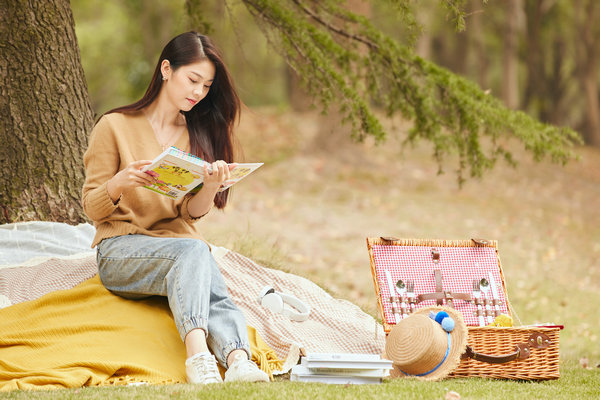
(87, 336)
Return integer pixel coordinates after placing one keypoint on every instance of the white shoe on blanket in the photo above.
(202, 368)
(244, 370)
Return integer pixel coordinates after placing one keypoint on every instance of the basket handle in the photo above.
(537, 340)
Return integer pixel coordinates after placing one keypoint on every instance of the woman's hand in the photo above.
(202, 201)
(219, 174)
(130, 177)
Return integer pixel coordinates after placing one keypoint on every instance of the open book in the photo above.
(178, 173)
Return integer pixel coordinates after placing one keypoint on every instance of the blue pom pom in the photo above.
(440, 316)
(448, 324)
(432, 315)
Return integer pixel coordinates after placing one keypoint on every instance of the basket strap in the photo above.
(440, 294)
(443, 296)
(438, 286)
(522, 350)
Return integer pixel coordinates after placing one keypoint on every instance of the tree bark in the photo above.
(45, 114)
(476, 34)
(533, 57)
(510, 59)
(590, 83)
(588, 53)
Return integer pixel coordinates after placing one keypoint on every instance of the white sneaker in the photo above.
(202, 368)
(244, 370)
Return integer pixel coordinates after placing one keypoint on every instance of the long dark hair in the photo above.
(210, 122)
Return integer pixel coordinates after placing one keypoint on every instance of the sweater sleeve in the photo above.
(102, 162)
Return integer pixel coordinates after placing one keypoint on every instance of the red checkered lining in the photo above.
(459, 267)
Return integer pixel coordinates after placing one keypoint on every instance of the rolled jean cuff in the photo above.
(191, 323)
(231, 347)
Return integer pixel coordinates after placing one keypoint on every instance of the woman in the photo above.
(148, 244)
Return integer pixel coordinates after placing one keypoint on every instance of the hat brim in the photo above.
(458, 344)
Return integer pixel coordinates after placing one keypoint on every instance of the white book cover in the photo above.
(300, 373)
(343, 361)
(178, 173)
(370, 372)
(342, 356)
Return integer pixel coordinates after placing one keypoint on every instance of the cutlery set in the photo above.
(487, 308)
(485, 296)
(402, 297)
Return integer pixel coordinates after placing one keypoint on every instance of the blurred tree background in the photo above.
(120, 42)
(539, 56)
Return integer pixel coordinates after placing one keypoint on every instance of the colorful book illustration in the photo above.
(178, 173)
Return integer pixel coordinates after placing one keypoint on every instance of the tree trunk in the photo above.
(45, 114)
(424, 43)
(476, 35)
(590, 83)
(510, 59)
(588, 52)
(533, 55)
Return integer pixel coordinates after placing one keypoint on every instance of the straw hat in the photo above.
(422, 347)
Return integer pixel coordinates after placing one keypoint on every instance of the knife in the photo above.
(495, 294)
(392, 291)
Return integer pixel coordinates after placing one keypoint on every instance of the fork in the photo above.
(477, 296)
(485, 288)
(411, 295)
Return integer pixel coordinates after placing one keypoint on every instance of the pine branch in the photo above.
(341, 57)
(332, 28)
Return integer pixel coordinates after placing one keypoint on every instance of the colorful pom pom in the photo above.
(448, 324)
(440, 316)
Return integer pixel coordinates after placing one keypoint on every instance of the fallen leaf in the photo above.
(584, 362)
(452, 395)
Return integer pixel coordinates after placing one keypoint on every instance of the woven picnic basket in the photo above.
(518, 352)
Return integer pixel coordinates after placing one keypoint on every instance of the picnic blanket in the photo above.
(335, 325)
(88, 336)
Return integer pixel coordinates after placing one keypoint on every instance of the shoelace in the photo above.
(246, 365)
(207, 367)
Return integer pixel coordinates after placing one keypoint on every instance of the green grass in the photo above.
(575, 383)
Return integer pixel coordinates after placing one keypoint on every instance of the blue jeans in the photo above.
(183, 270)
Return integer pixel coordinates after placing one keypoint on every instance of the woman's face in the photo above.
(188, 84)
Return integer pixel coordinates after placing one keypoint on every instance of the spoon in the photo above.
(400, 285)
(485, 288)
(401, 289)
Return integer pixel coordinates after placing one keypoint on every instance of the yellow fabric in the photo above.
(263, 355)
(87, 336)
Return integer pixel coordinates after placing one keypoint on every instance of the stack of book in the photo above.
(341, 368)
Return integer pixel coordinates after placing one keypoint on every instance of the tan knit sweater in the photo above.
(117, 140)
